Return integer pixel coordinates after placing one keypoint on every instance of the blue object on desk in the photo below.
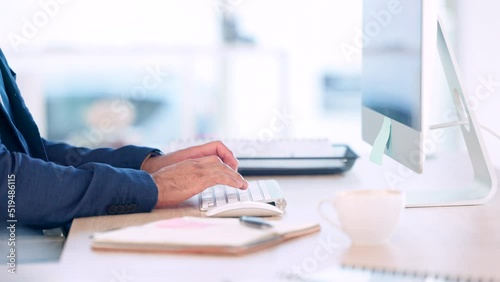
(255, 222)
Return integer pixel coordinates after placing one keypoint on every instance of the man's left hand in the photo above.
(216, 148)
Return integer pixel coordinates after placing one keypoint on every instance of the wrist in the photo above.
(146, 164)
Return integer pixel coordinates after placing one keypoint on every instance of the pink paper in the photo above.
(182, 223)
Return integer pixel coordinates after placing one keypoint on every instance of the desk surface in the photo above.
(451, 242)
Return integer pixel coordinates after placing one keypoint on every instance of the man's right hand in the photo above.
(179, 182)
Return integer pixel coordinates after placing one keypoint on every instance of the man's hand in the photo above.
(216, 148)
(179, 182)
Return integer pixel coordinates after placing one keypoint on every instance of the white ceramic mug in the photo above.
(368, 217)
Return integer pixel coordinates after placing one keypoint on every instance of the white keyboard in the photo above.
(266, 191)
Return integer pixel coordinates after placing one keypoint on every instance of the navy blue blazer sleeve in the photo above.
(66, 192)
(124, 157)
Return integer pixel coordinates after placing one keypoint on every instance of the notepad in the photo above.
(200, 235)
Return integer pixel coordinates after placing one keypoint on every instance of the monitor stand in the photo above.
(484, 184)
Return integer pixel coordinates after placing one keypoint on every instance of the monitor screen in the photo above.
(392, 44)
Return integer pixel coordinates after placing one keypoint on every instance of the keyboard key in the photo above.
(255, 192)
(207, 199)
(265, 190)
(220, 195)
(232, 195)
(244, 196)
(274, 189)
(206, 205)
(207, 194)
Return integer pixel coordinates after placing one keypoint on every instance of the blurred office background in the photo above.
(108, 73)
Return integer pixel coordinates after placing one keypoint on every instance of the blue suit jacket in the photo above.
(54, 182)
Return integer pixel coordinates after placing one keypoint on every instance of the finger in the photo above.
(226, 155)
(222, 151)
(229, 179)
(209, 160)
(220, 169)
(212, 166)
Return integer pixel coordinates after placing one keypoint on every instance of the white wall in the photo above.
(479, 57)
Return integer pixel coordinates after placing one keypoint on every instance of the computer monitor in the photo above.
(397, 75)
(401, 40)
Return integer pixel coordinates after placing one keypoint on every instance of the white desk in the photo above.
(454, 241)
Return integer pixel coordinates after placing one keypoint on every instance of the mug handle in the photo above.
(334, 221)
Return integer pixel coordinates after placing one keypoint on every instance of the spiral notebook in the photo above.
(350, 274)
(283, 156)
